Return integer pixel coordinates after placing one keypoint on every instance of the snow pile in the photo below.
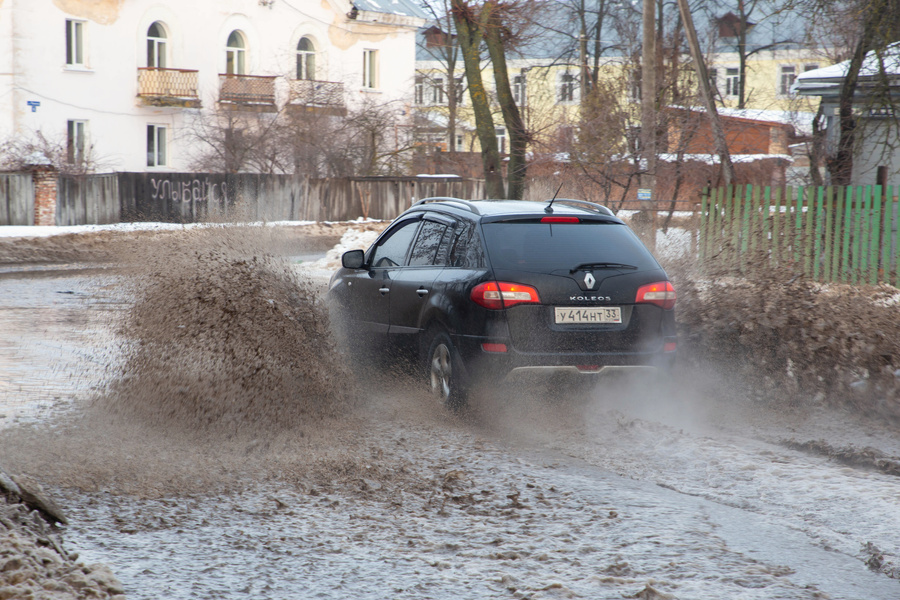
(353, 239)
(33, 563)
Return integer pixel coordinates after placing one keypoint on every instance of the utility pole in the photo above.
(706, 92)
(648, 119)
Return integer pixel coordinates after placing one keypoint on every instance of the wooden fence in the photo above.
(16, 199)
(841, 234)
(87, 200)
(195, 197)
(192, 197)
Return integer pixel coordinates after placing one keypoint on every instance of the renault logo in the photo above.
(589, 281)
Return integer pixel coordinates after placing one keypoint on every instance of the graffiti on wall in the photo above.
(195, 190)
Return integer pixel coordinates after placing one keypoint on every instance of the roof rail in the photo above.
(464, 203)
(585, 204)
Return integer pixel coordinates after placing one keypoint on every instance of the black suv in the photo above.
(475, 290)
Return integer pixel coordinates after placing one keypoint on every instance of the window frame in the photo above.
(713, 73)
(419, 90)
(520, 89)
(370, 74)
(157, 47)
(236, 56)
(155, 150)
(438, 96)
(306, 60)
(787, 74)
(566, 88)
(76, 141)
(76, 55)
(500, 133)
(733, 82)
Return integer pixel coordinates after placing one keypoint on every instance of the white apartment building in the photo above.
(122, 78)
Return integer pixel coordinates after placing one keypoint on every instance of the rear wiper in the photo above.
(601, 265)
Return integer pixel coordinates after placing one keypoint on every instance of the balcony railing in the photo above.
(161, 85)
(247, 89)
(324, 94)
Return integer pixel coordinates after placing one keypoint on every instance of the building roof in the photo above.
(403, 8)
(801, 121)
(827, 81)
(555, 35)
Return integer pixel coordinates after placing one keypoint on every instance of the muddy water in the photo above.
(55, 324)
(382, 494)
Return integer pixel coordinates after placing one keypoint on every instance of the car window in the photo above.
(548, 247)
(466, 250)
(391, 250)
(425, 249)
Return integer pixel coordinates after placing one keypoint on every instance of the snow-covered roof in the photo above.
(403, 8)
(801, 121)
(827, 80)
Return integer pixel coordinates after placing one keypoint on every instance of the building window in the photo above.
(714, 82)
(788, 75)
(810, 67)
(566, 88)
(732, 82)
(157, 147)
(236, 54)
(501, 139)
(420, 89)
(156, 46)
(520, 89)
(306, 59)
(460, 144)
(460, 90)
(74, 43)
(370, 69)
(636, 88)
(76, 142)
(437, 92)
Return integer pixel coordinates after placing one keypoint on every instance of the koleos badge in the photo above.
(589, 281)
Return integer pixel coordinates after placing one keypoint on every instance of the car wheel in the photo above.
(443, 372)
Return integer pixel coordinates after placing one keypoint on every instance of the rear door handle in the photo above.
(421, 292)
(384, 290)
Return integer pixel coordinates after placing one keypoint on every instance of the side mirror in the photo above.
(353, 259)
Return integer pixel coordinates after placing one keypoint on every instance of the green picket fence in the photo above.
(841, 234)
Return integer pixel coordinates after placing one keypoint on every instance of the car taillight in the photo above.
(502, 294)
(661, 294)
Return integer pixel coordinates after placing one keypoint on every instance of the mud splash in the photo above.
(226, 337)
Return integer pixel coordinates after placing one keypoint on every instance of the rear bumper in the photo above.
(480, 364)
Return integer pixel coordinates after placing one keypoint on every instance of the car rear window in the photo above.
(545, 247)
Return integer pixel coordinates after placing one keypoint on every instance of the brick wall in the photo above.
(45, 187)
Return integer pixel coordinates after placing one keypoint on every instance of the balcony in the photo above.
(248, 91)
(168, 87)
(326, 97)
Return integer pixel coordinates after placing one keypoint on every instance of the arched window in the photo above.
(306, 59)
(156, 46)
(235, 54)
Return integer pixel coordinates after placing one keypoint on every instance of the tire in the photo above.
(443, 372)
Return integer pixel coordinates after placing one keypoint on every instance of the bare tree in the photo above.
(232, 140)
(373, 139)
(471, 21)
(441, 44)
(733, 20)
(20, 154)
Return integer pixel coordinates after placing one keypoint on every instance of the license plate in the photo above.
(588, 314)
